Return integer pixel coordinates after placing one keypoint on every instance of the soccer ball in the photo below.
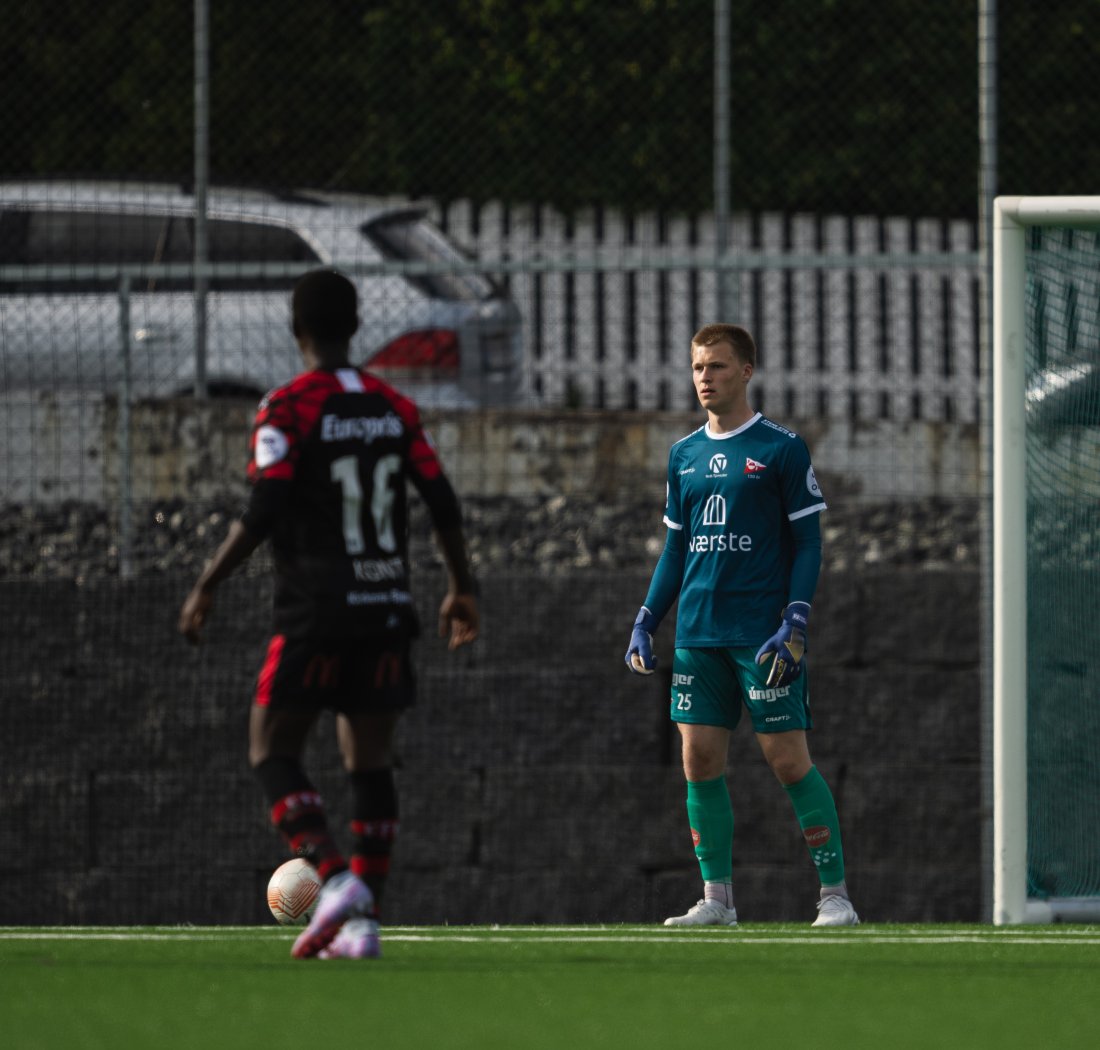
(292, 892)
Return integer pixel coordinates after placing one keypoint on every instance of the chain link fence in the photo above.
(540, 204)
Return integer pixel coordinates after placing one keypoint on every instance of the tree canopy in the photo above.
(836, 105)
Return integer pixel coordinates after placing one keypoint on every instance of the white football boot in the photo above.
(705, 913)
(344, 896)
(357, 939)
(835, 910)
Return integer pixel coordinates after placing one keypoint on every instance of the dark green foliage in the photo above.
(845, 107)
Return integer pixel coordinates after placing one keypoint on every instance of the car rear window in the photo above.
(71, 237)
(411, 237)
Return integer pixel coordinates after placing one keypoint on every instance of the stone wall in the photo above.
(539, 779)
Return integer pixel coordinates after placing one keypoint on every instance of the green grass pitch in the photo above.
(568, 987)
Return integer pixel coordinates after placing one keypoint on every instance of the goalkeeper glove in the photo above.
(788, 645)
(639, 657)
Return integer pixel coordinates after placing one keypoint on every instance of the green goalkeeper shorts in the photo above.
(709, 687)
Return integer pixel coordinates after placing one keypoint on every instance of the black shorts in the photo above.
(348, 675)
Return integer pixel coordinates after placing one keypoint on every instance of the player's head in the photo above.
(744, 349)
(324, 308)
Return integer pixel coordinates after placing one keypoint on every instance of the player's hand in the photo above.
(639, 657)
(787, 646)
(458, 617)
(196, 607)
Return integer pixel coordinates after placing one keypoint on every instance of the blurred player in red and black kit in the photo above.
(330, 455)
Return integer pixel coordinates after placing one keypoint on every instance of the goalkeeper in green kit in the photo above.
(742, 557)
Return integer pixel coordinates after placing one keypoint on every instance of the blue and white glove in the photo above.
(787, 646)
(639, 657)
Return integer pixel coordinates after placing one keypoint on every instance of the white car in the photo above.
(446, 336)
(1066, 393)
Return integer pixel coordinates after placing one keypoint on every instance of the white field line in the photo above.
(570, 935)
(757, 930)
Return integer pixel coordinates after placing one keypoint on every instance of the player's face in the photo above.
(720, 377)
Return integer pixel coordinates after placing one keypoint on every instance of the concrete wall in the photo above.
(57, 447)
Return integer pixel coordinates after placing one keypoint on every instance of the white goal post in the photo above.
(1012, 217)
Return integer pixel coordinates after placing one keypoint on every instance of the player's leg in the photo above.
(366, 745)
(781, 718)
(378, 685)
(788, 756)
(297, 809)
(284, 711)
(701, 709)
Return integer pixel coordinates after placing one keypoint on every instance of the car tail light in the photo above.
(435, 349)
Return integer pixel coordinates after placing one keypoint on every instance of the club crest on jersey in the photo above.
(753, 466)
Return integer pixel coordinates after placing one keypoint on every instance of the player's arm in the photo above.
(266, 504)
(668, 578)
(272, 458)
(787, 647)
(459, 617)
(458, 614)
(664, 588)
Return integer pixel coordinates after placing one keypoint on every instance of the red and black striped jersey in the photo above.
(330, 455)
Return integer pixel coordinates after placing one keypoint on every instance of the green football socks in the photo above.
(816, 811)
(710, 815)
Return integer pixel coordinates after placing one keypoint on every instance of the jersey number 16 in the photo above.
(345, 472)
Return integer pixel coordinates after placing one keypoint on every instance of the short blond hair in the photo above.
(739, 338)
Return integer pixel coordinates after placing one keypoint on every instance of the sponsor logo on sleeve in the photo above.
(775, 426)
(271, 446)
(811, 483)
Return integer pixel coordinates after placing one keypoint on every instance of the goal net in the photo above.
(1046, 568)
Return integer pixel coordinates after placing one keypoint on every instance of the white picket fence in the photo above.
(856, 318)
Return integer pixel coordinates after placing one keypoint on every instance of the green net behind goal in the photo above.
(1062, 350)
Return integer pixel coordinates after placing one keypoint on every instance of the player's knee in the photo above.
(703, 763)
(790, 769)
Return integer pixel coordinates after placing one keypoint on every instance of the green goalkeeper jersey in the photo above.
(734, 497)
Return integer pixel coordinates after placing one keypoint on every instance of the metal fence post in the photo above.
(727, 294)
(202, 178)
(125, 449)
